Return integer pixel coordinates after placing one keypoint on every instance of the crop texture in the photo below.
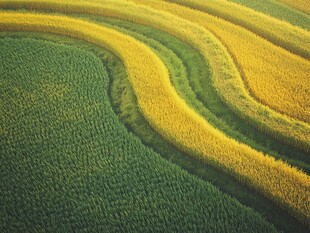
(208, 85)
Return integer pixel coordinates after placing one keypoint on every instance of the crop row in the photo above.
(281, 33)
(191, 77)
(284, 75)
(125, 102)
(278, 10)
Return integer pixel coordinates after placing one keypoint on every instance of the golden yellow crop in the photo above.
(169, 114)
(280, 33)
(273, 76)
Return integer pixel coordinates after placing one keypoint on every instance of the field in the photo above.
(154, 116)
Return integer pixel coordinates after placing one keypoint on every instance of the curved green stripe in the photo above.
(193, 83)
(280, 36)
(278, 10)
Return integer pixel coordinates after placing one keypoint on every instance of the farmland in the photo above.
(136, 116)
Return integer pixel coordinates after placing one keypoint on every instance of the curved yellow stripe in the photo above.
(274, 76)
(281, 33)
(225, 75)
(169, 114)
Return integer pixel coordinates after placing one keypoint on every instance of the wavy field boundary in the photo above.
(191, 77)
(285, 35)
(278, 10)
(291, 84)
(256, 72)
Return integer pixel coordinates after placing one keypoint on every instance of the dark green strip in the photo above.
(212, 107)
(278, 10)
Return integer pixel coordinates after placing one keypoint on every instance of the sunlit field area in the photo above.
(155, 116)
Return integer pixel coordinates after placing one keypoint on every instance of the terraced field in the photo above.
(154, 116)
